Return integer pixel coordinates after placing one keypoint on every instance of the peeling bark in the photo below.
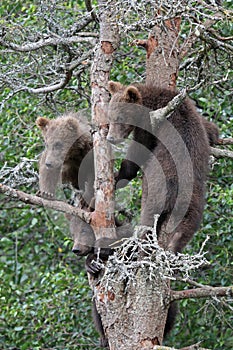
(130, 313)
(162, 60)
(103, 217)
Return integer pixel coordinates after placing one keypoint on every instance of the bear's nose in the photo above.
(48, 165)
(76, 251)
(110, 139)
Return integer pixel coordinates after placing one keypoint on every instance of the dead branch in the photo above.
(55, 205)
(161, 114)
(226, 141)
(204, 292)
(221, 153)
(219, 37)
(90, 9)
(199, 29)
(191, 347)
(47, 42)
(46, 89)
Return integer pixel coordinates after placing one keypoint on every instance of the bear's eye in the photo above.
(58, 146)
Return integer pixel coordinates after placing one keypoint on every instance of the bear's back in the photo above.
(186, 120)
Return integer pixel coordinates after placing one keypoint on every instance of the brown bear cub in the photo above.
(68, 156)
(174, 159)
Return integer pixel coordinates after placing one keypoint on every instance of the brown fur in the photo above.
(67, 157)
(174, 162)
(174, 159)
(82, 234)
(212, 131)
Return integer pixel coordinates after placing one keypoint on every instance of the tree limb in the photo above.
(46, 89)
(198, 30)
(204, 292)
(161, 114)
(47, 42)
(221, 153)
(226, 141)
(191, 347)
(35, 200)
(90, 9)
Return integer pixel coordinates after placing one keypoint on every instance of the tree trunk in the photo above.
(133, 314)
(134, 317)
(103, 217)
(162, 59)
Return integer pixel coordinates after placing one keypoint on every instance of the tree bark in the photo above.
(204, 292)
(134, 317)
(103, 217)
(46, 203)
(162, 59)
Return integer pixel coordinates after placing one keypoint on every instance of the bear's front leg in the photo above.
(127, 172)
(48, 179)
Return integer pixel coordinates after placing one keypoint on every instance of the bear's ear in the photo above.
(42, 122)
(132, 95)
(114, 87)
(71, 124)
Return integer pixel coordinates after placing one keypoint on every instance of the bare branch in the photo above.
(74, 64)
(46, 89)
(35, 200)
(226, 141)
(191, 347)
(221, 153)
(199, 29)
(162, 113)
(90, 9)
(221, 38)
(47, 42)
(204, 292)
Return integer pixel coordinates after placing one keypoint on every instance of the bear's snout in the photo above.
(49, 165)
(81, 250)
(111, 139)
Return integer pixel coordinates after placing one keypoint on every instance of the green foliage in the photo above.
(45, 300)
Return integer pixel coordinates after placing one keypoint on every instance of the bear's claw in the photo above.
(44, 194)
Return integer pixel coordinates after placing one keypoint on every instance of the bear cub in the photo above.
(174, 159)
(68, 156)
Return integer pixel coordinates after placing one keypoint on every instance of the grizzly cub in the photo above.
(67, 157)
(174, 159)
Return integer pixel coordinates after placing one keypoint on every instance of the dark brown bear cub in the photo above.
(67, 157)
(174, 159)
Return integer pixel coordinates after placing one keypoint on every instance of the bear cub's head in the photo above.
(59, 135)
(124, 111)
